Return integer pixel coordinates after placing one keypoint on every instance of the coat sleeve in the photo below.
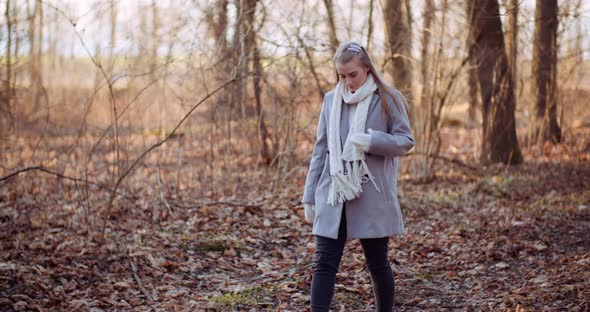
(318, 157)
(398, 140)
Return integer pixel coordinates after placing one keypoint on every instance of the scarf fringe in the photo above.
(365, 170)
(349, 186)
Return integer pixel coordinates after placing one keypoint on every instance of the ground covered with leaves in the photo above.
(493, 238)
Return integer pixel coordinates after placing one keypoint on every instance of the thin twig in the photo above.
(160, 186)
(218, 203)
(445, 158)
(138, 280)
(57, 174)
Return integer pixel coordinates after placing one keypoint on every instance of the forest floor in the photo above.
(481, 238)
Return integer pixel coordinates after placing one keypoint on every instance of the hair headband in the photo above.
(354, 47)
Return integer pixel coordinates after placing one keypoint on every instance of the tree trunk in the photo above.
(33, 70)
(154, 39)
(39, 54)
(113, 16)
(143, 37)
(218, 24)
(8, 55)
(422, 111)
(512, 37)
(578, 42)
(499, 142)
(16, 58)
(473, 96)
(234, 57)
(425, 59)
(398, 40)
(14, 102)
(544, 125)
(217, 20)
(333, 38)
(472, 79)
(250, 47)
(216, 17)
(55, 36)
(261, 125)
(409, 20)
(31, 14)
(5, 93)
(370, 22)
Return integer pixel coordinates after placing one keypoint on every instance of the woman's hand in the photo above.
(309, 212)
(362, 140)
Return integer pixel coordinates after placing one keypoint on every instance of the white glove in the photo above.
(362, 140)
(309, 212)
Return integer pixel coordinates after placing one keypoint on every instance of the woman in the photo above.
(351, 186)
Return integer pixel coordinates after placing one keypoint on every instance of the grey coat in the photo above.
(373, 214)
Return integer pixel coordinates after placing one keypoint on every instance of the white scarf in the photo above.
(348, 186)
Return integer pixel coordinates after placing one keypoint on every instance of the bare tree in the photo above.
(33, 70)
(428, 17)
(216, 17)
(473, 91)
(39, 53)
(6, 92)
(544, 125)
(252, 47)
(578, 42)
(16, 56)
(240, 61)
(154, 40)
(370, 24)
(55, 37)
(143, 35)
(332, 25)
(409, 20)
(423, 109)
(8, 55)
(398, 40)
(499, 141)
(113, 17)
(512, 36)
(472, 82)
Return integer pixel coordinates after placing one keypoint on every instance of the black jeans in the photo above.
(328, 254)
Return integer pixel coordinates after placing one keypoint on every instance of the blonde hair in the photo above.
(349, 50)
